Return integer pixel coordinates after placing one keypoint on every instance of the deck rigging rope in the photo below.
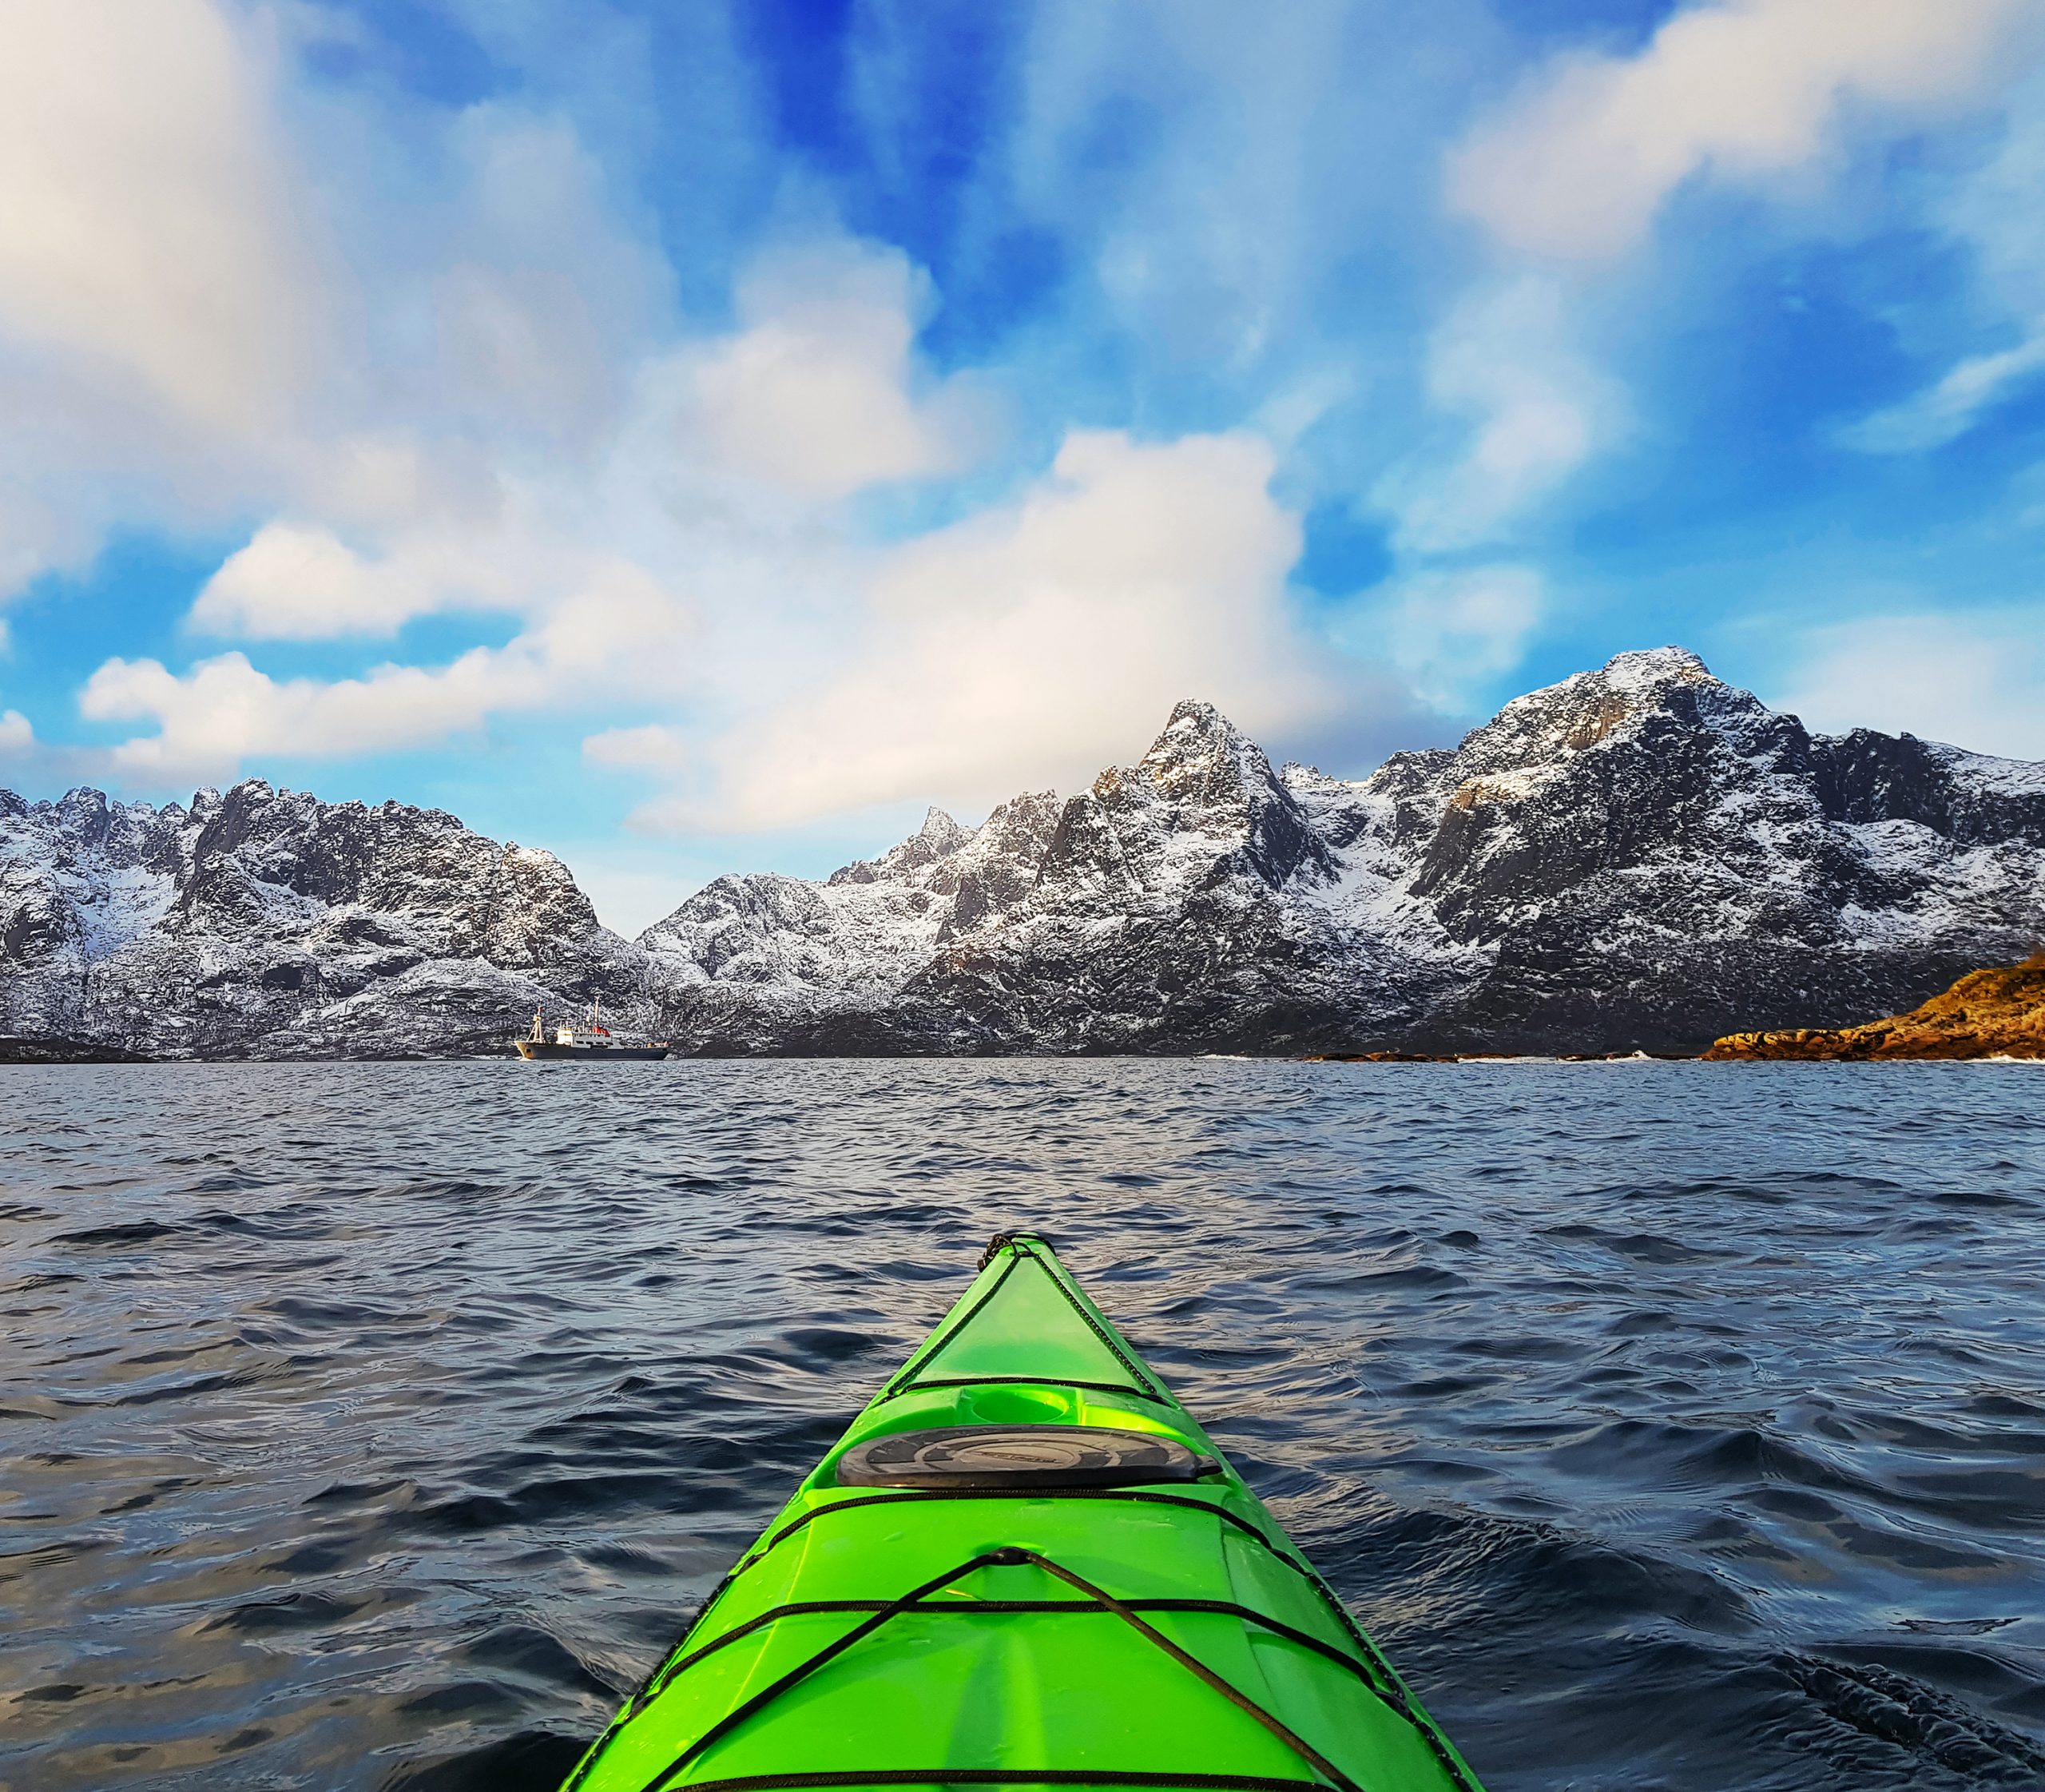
(1008, 1556)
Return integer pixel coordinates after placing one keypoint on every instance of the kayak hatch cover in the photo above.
(1024, 1565)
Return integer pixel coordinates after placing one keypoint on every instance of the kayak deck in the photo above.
(1024, 1564)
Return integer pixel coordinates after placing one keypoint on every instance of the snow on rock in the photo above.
(764, 961)
(266, 923)
(1167, 907)
(1640, 856)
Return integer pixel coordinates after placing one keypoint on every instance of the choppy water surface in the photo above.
(1673, 1426)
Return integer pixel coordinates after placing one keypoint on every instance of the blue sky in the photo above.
(692, 436)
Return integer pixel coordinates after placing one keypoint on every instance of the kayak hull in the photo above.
(1151, 1626)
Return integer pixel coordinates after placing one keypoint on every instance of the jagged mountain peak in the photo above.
(1644, 668)
(942, 833)
(1625, 684)
(1200, 762)
(1205, 793)
(1535, 736)
(1195, 714)
(84, 806)
(1196, 734)
(911, 861)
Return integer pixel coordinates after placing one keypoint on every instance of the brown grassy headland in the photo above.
(1987, 1014)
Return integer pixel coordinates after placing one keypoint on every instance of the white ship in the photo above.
(595, 1042)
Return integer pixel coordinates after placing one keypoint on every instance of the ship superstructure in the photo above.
(595, 1042)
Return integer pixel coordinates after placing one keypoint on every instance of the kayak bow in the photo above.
(1024, 1565)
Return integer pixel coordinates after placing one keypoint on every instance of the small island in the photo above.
(1987, 1014)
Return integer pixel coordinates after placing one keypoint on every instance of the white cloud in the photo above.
(618, 632)
(703, 531)
(1022, 646)
(167, 310)
(1503, 358)
(223, 710)
(814, 395)
(1971, 680)
(1992, 211)
(17, 737)
(529, 306)
(359, 327)
(149, 230)
(655, 746)
(1948, 409)
(299, 582)
(520, 549)
(1579, 165)
(1451, 633)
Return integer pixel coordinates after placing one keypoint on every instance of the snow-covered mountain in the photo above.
(766, 963)
(1639, 856)
(265, 923)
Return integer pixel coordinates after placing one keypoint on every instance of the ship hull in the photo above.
(587, 1054)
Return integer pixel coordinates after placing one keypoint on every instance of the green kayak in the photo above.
(1024, 1564)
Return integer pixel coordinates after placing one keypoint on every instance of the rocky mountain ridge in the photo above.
(1640, 856)
(266, 923)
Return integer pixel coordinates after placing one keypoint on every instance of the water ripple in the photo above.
(368, 1426)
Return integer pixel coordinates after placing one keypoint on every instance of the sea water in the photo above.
(378, 1426)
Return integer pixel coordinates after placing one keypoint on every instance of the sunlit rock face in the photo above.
(1996, 1012)
(1650, 857)
(266, 923)
(1639, 857)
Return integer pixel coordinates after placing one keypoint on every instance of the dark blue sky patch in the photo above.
(1000, 281)
(801, 46)
(1740, 402)
(936, 93)
(1618, 26)
(1345, 553)
(415, 46)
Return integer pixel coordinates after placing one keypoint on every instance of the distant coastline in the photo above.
(15, 1050)
(1995, 1014)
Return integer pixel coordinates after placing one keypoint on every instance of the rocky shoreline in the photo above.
(1998, 1013)
(16, 1051)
